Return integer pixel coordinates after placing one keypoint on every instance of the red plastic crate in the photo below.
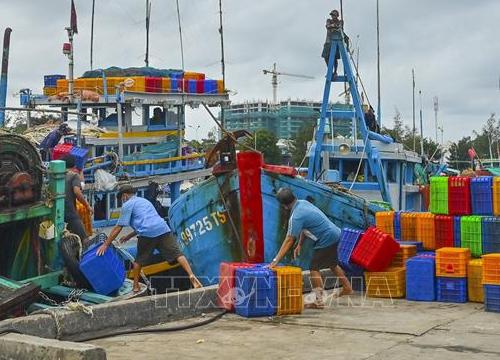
(444, 229)
(153, 84)
(459, 198)
(375, 250)
(200, 86)
(280, 169)
(61, 150)
(225, 293)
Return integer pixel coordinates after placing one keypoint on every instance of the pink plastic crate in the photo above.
(375, 250)
(225, 293)
(61, 150)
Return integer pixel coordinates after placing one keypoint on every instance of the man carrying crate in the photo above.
(307, 220)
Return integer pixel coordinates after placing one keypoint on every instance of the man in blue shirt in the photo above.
(306, 220)
(152, 233)
(52, 139)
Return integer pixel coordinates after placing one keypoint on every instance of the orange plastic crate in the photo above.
(475, 280)
(405, 252)
(496, 195)
(408, 223)
(386, 284)
(452, 262)
(426, 232)
(62, 85)
(220, 87)
(491, 269)
(166, 85)
(289, 290)
(49, 91)
(384, 220)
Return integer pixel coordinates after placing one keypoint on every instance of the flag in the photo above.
(472, 153)
(73, 24)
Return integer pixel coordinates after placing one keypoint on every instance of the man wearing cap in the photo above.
(52, 139)
(152, 233)
(306, 220)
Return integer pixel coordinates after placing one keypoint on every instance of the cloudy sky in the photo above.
(452, 44)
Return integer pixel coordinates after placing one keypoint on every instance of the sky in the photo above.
(452, 45)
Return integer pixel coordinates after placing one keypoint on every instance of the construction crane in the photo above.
(274, 80)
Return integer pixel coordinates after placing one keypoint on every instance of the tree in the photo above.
(299, 144)
(459, 157)
(265, 142)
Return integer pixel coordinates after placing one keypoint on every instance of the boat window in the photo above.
(100, 211)
(350, 167)
(391, 171)
(112, 201)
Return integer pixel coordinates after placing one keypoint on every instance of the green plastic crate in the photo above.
(471, 234)
(439, 195)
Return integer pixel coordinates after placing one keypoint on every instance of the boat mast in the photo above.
(180, 33)
(92, 36)
(223, 63)
(183, 120)
(148, 13)
(414, 126)
(379, 111)
(421, 126)
(3, 78)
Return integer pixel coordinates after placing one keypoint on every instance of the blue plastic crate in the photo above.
(51, 80)
(482, 195)
(80, 155)
(348, 240)
(105, 273)
(490, 235)
(421, 278)
(451, 289)
(419, 245)
(427, 253)
(210, 86)
(176, 85)
(457, 236)
(492, 298)
(397, 225)
(256, 292)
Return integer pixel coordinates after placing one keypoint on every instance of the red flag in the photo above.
(73, 24)
(472, 153)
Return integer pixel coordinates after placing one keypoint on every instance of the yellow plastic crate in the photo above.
(191, 75)
(491, 269)
(166, 85)
(386, 284)
(289, 290)
(139, 84)
(475, 280)
(426, 232)
(408, 222)
(62, 85)
(452, 262)
(405, 252)
(384, 220)
(49, 91)
(496, 195)
(220, 87)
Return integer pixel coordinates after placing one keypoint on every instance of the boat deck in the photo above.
(349, 328)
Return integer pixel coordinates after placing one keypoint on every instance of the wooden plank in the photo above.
(45, 281)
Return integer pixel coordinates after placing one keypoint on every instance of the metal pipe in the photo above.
(223, 63)
(421, 126)
(3, 78)
(70, 66)
(92, 36)
(414, 132)
(379, 110)
(119, 116)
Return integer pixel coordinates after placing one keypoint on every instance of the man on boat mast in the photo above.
(307, 220)
(333, 25)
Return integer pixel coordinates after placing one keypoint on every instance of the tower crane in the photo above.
(274, 80)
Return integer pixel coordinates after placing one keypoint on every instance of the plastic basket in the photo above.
(471, 234)
(256, 293)
(375, 250)
(457, 235)
(397, 225)
(459, 199)
(482, 195)
(439, 195)
(387, 284)
(421, 278)
(490, 232)
(452, 262)
(61, 150)
(491, 269)
(80, 155)
(492, 298)
(384, 220)
(408, 223)
(444, 230)
(348, 240)
(451, 289)
(475, 280)
(426, 232)
(405, 252)
(104, 273)
(226, 291)
(289, 290)
(496, 195)
(418, 244)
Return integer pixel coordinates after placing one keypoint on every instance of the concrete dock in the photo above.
(348, 328)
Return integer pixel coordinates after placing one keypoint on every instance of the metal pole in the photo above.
(414, 126)
(3, 78)
(421, 126)
(436, 108)
(148, 8)
(223, 63)
(119, 115)
(379, 111)
(92, 36)
(180, 33)
(79, 123)
(70, 66)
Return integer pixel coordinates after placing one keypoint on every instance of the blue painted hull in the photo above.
(206, 219)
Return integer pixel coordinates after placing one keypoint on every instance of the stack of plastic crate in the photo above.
(490, 232)
(475, 280)
(426, 232)
(421, 278)
(289, 285)
(397, 225)
(405, 252)
(444, 227)
(459, 199)
(491, 282)
(451, 273)
(471, 234)
(408, 223)
(496, 196)
(481, 189)
(390, 283)
(418, 244)
(226, 292)
(384, 220)
(348, 240)
(457, 235)
(439, 195)
(257, 292)
(374, 250)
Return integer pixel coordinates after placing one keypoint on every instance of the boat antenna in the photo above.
(92, 36)
(342, 12)
(421, 126)
(148, 15)
(222, 61)
(414, 127)
(379, 111)
(180, 33)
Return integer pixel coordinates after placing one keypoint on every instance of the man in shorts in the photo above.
(152, 233)
(307, 220)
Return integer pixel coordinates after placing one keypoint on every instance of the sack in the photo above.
(104, 181)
